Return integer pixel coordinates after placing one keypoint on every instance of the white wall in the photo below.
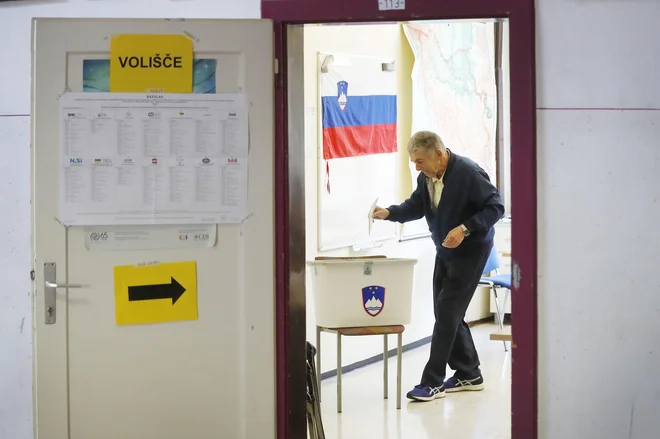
(388, 41)
(599, 205)
(15, 319)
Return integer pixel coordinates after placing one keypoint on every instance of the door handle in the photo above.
(50, 291)
(59, 285)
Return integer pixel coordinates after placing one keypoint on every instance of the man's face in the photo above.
(429, 164)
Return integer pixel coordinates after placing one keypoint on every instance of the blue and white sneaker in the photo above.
(425, 393)
(454, 384)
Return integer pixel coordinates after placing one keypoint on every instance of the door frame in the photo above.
(289, 193)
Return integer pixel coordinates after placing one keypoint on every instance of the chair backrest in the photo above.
(493, 262)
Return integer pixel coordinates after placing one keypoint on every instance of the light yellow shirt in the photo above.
(435, 190)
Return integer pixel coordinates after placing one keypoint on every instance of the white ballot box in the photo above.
(357, 292)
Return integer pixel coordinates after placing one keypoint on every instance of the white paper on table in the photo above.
(371, 214)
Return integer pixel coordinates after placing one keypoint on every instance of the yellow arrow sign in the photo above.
(155, 293)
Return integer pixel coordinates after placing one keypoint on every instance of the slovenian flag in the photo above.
(359, 110)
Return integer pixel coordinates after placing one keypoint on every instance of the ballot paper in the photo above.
(371, 214)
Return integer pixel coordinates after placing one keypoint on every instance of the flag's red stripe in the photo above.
(359, 140)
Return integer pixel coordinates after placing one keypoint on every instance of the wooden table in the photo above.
(358, 332)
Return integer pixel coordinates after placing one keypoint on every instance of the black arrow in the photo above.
(173, 291)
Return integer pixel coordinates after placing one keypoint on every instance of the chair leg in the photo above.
(385, 364)
(497, 307)
(318, 361)
(399, 352)
(506, 301)
(338, 373)
(500, 316)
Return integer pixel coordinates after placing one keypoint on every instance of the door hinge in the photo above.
(32, 275)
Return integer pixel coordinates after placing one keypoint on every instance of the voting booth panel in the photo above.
(362, 292)
(148, 228)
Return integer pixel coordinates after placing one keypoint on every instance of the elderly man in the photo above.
(461, 207)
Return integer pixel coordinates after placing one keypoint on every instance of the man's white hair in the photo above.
(426, 141)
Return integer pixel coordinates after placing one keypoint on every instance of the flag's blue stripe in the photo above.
(360, 111)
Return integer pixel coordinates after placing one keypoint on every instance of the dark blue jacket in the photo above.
(468, 198)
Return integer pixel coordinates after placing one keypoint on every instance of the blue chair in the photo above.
(493, 279)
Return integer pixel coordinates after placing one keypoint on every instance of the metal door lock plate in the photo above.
(50, 293)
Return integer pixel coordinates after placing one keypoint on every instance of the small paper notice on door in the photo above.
(371, 214)
(155, 237)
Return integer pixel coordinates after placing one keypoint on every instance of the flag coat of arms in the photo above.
(359, 109)
(373, 299)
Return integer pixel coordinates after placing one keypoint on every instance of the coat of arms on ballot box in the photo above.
(373, 299)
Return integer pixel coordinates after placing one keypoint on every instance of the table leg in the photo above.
(385, 364)
(399, 354)
(338, 373)
(318, 361)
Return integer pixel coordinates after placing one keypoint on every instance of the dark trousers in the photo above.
(454, 283)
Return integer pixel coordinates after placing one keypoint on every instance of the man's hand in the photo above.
(454, 238)
(380, 213)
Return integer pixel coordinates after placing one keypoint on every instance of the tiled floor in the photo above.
(467, 415)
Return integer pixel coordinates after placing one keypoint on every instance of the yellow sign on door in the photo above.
(155, 293)
(144, 63)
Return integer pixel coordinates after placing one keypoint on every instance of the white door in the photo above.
(213, 377)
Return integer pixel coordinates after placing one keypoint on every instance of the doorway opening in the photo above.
(446, 76)
(289, 16)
